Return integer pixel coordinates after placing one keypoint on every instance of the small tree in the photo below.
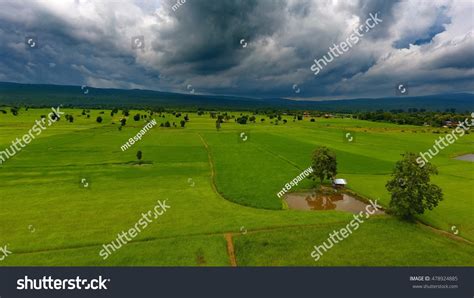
(14, 111)
(183, 123)
(410, 187)
(99, 119)
(55, 117)
(139, 156)
(136, 117)
(242, 120)
(324, 164)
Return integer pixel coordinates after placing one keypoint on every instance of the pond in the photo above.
(466, 157)
(323, 201)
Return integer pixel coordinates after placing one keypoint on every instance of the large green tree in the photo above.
(324, 164)
(410, 187)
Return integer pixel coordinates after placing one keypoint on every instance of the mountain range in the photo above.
(46, 95)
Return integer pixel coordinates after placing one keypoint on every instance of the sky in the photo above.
(254, 48)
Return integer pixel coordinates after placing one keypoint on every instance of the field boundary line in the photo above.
(213, 179)
(150, 239)
(214, 186)
(250, 231)
(275, 228)
(443, 232)
(211, 165)
(261, 148)
(230, 249)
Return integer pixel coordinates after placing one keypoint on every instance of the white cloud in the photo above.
(90, 42)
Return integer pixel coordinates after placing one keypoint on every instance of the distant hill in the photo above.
(38, 95)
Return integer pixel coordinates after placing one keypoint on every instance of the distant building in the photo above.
(450, 123)
(339, 183)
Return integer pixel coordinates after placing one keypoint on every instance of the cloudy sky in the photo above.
(259, 48)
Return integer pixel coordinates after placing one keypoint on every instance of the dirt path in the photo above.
(214, 187)
(230, 250)
(228, 235)
(211, 165)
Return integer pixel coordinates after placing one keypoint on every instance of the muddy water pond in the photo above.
(318, 202)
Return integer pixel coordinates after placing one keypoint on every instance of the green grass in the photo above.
(371, 245)
(187, 251)
(40, 189)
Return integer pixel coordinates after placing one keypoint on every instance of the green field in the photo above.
(216, 184)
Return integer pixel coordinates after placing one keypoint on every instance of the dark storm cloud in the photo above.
(384, 9)
(253, 48)
(207, 34)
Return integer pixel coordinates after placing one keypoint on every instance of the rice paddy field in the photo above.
(221, 191)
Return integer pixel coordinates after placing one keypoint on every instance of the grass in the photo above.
(41, 190)
(371, 245)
